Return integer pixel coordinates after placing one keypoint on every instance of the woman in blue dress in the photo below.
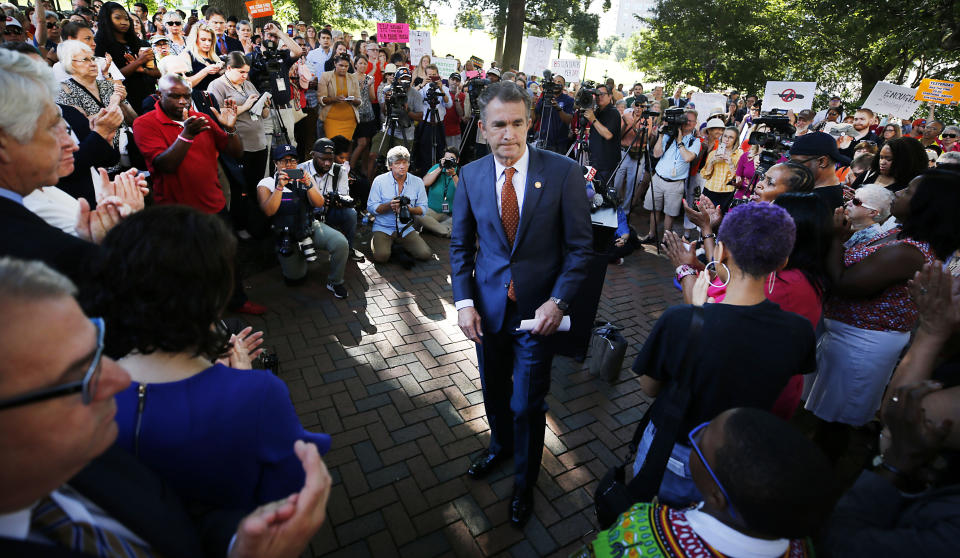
(220, 433)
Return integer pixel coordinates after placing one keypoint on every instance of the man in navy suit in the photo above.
(521, 243)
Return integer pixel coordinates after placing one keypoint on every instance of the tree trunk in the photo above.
(514, 34)
(498, 51)
(231, 7)
(305, 10)
(400, 11)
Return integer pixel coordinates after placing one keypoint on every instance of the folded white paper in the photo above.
(528, 325)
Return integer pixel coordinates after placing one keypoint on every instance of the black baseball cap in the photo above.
(456, 76)
(818, 144)
(324, 145)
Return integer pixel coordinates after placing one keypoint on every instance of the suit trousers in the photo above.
(515, 375)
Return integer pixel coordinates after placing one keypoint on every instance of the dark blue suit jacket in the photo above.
(553, 244)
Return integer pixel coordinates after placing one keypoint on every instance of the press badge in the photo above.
(281, 86)
(445, 208)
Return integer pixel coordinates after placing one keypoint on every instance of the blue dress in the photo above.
(223, 437)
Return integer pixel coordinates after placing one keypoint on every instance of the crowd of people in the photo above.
(805, 392)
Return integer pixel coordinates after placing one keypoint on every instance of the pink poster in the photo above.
(393, 32)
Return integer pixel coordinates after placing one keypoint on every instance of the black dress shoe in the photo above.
(521, 506)
(482, 466)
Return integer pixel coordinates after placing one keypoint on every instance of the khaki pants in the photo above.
(381, 244)
(439, 224)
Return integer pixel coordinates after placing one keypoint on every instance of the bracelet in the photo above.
(684, 271)
(892, 469)
(709, 235)
(181, 138)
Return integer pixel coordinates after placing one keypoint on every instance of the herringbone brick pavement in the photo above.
(389, 375)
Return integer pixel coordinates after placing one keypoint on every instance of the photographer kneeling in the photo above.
(395, 197)
(299, 235)
(442, 180)
(340, 209)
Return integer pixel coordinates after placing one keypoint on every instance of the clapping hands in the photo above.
(244, 349)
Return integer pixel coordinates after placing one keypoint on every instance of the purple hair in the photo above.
(759, 235)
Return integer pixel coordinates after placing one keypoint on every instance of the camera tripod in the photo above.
(543, 136)
(643, 158)
(468, 139)
(435, 125)
(580, 143)
(393, 121)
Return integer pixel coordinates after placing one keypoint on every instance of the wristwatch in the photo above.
(563, 306)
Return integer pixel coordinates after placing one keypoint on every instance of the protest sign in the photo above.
(707, 104)
(892, 99)
(260, 8)
(938, 91)
(393, 32)
(446, 66)
(537, 57)
(477, 62)
(419, 46)
(786, 95)
(568, 68)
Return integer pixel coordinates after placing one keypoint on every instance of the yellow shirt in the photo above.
(721, 173)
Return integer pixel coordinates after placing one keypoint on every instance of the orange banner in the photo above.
(260, 8)
(938, 91)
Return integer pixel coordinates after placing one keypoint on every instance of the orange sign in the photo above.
(260, 8)
(938, 91)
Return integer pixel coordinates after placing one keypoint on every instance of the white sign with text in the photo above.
(787, 95)
(569, 68)
(537, 57)
(895, 100)
(419, 46)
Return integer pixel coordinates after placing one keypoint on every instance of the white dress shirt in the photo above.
(519, 186)
(445, 102)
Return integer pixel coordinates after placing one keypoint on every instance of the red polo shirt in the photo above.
(195, 182)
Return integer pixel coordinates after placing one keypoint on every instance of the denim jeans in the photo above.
(677, 488)
(344, 219)
(327, 239)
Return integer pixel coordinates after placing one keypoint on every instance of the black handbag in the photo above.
(607, 347)
(614, 495)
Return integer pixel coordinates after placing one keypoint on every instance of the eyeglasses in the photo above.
(88, 59)
(948, 136)
(51, 26)
(87, 386)
(13, 30)
(693, 436)
(174, 23)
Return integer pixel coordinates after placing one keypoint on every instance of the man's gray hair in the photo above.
(952, 128)
(22, 81)
(505, 92)
(68, 49)
(949, 158)
(397, 153)
(22, 279)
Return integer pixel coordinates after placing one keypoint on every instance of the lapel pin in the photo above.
(537, 185)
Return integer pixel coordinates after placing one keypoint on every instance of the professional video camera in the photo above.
(550, 89)
(474, 89)
(396, 96)
(673, 120)
(295, 231)
(404, 215)
(434, 94)
(586, 95)
(267, 67)
(774, 143)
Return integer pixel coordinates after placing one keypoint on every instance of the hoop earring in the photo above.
(715, 270)
(771, 282)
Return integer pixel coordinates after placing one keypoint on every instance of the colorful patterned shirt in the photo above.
(651, 530)
(891, 310)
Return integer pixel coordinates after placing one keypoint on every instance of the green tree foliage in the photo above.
(844, 45)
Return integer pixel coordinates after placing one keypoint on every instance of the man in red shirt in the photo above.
(181, 147)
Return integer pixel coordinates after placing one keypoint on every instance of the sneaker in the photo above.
(357, 256)
(252, 308)
(338, 291)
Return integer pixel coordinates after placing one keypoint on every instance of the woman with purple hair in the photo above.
(749, 348)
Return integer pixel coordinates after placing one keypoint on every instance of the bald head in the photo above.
(170, 81)
(175, 96)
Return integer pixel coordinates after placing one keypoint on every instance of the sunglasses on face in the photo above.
(948, 136)
(13, 31)
(857, 202)
(174, 23)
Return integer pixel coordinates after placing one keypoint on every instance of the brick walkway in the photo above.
(389, 375)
